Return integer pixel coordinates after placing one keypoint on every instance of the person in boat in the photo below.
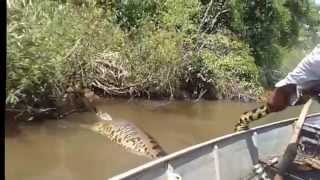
(303, 81)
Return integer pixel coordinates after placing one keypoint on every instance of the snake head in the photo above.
(104, 116)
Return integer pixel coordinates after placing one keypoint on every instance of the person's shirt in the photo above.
(304, 75)
(306, 71)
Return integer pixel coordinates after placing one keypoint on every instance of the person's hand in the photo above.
(280, 98)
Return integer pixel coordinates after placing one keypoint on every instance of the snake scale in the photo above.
(249, 116)
(127, 135)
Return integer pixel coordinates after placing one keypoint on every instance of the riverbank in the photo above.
(143, 49)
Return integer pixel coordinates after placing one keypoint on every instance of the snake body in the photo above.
(124, 133)
(127, 135)
(249, 116)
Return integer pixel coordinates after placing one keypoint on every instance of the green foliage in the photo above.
(165, 46)
(181, 15)
(269, 25)
(154, 59)
(133, 13)
(256, 20)
(225, 63)
(32, 57)
(232, 63)
(46, 40)
(215, 16)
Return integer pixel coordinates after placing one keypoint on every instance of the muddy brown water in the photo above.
(52, 149)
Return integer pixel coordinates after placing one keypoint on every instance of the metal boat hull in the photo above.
(231, 157)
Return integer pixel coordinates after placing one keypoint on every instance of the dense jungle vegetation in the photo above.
(214, 49)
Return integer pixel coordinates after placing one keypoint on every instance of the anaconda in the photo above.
(127, 135)
(311, 90)
(249, 116)
(124, 133)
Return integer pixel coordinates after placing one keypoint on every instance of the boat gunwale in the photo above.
(213, 141)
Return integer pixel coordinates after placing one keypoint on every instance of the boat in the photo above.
(231, 157)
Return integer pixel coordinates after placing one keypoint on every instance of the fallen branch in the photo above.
(203, 92)
(215, 19)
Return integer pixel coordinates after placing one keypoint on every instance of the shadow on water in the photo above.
(62, 150)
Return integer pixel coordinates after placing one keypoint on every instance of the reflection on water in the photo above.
(62, 150)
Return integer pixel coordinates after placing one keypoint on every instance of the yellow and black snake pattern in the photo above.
(124, 133)
(250, 116)
(128, 136)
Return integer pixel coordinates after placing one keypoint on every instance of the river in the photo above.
(61, 149)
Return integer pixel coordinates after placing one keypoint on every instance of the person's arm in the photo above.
(286, 160)
(305, 75)
(280, 96)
